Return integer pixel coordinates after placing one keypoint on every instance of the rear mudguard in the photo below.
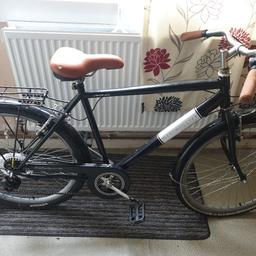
(42, 114)
(200, 137)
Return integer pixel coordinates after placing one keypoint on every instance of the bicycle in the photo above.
(39, 146)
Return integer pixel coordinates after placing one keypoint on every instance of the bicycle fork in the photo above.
(230, 149)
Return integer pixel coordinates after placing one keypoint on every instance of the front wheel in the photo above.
(208, 183)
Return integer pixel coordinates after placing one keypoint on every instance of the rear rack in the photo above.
(26, 95)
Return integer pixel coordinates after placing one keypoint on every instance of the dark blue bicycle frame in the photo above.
(220, 98)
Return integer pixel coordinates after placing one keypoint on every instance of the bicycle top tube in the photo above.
(178, 86)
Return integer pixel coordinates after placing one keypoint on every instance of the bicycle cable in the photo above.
(85, 118)
(72, 117)
(58, 100)
(209, 91)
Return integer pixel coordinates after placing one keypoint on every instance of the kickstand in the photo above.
(137, 211)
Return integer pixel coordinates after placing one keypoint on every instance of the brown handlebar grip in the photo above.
(249, 88)
(192, 35)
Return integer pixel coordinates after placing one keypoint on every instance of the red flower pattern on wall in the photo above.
(241, 35)
(155, 60)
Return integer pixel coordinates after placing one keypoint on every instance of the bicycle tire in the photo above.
(217, 190)
(65, 135)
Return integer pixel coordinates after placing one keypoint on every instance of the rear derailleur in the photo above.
(9, 183)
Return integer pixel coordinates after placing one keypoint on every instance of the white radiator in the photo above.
(29, 53)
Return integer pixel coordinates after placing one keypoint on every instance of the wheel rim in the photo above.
(211, 186)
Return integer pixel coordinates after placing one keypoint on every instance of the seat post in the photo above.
(79, 86)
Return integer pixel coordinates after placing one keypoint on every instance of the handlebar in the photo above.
(193, 35)
(237, 49)
(249, 88)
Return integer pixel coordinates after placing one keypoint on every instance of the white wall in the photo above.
(58, 11)
(97, 12)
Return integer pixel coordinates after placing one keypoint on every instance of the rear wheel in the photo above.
(18, 130)
(207, 182)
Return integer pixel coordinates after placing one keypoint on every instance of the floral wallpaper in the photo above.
(156, 60)
(205, 9)
(167, 58)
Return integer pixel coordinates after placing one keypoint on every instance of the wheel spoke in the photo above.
(19, 138)
(210, 185)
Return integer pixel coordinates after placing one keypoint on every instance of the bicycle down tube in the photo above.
(179, 125)
(174, 129)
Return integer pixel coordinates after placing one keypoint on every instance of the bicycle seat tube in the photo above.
(90, 116)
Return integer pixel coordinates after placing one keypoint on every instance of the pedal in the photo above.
(137, 212)
(137, 208)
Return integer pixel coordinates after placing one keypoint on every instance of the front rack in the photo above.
(24, 95)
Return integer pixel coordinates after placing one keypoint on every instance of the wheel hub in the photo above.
(7, 161)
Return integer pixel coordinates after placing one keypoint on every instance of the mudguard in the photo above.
(205, 133)
(194, 142)
(42, 114)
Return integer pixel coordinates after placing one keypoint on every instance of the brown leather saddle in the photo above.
(69, 64)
